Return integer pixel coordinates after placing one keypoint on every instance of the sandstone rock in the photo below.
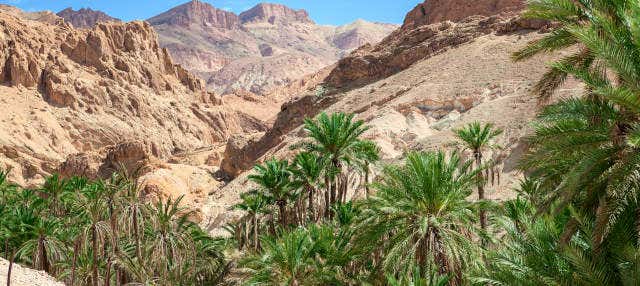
(85, 18)
(236, 156)
(78, 165)
(129, 157)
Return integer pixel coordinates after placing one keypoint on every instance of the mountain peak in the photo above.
(274, 13)
(198, 13)
(85, 17)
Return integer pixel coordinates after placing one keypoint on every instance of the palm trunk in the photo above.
(94, 245)
(11, 259)
(256, 228)
(114, 230)
(43, 255)
(246, 231)
(283, 214)
(366, 180)
(479, 179)
(75, 261)
(107, 273)
(312, 211)
(136, 235)
(327, 198)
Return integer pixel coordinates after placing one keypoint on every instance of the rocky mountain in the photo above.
(85, 18)
(413, 88)
(88, 101)
(265, 47)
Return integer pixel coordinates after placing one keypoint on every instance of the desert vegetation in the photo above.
(335, 215)
(102, 232)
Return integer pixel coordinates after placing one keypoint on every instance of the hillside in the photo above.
(413, 89)
(265, 47)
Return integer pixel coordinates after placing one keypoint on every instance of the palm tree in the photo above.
(45, 246)
(477, 138)
(287, 260)
(594, 139)
(274, 180)
(170, 241)
(335, 138)
(420, 215)
(92, 205)
(255, 204)
(54, 189)
(367, 153)
(534, 255)
(307, 170)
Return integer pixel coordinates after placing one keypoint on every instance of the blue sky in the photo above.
(335, 12)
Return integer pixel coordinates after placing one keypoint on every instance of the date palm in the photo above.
(255, 204)
(336, 138)
(477, 138)
(594, 139)
(284, 261)
(420, 215)
(274, 180)
(307, 170)
(92, 206)
(170, 242)
(45, 246)
(534, 255)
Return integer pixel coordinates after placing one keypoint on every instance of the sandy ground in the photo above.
(21, 276)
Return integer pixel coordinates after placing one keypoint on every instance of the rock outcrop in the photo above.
(435, 11)
(262, 49)
(274, 13)
(85, 18)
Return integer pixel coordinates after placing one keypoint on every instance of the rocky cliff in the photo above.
(264, 48)
(435, 11)
(85, 17)
(88, 101)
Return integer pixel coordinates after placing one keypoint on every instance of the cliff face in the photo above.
(434, 11)
(262, 49)
(85, 18)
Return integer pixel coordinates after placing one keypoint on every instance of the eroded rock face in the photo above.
(85, 18)
(435, 11)
(73, 96)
